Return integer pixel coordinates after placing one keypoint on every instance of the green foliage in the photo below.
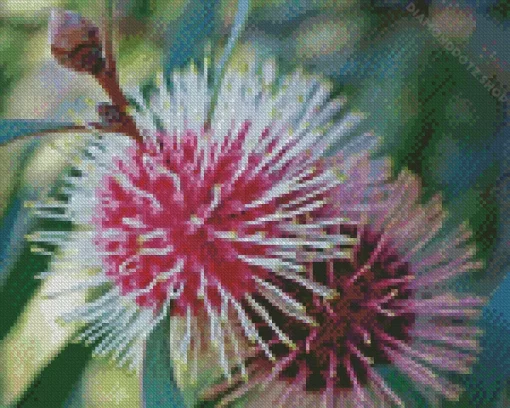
(159, 386)
(12, 43)
(51, 388)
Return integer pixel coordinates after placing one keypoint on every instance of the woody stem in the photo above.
(107, 78)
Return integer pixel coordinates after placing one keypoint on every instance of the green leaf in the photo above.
(15, 221)
(195, 27)
(402, 386)
(13, 227)
(492, 371)
(55, 383)
(105, 384)
(159, 386)
(243, 8)
(12, 129)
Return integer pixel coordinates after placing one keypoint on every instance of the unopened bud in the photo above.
(75, 42)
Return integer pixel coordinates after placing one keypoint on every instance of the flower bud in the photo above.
(75, 42)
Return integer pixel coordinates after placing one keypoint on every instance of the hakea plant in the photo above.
(394, 307)
(212, 200)
(186, 202)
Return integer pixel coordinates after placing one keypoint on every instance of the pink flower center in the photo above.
(169, 218)
(356, 323)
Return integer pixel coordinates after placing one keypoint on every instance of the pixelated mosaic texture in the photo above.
(431, 78)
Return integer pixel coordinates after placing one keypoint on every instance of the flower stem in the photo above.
(108, 80)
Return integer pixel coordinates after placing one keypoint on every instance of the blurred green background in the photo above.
(433, 116)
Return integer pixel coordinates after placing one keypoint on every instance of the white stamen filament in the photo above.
(267, 318)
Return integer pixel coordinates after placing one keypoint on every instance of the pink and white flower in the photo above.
(394, 306)
(199, 213)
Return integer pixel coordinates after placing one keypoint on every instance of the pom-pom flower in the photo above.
(393, 308)
(188, 213)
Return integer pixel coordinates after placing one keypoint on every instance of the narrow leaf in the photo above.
(12, 129)
(159, 386)
(492, 371)
(15, 221)
(13, 227)
(108, 29)
(194, 28)
(243, 8)
(57, 380)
